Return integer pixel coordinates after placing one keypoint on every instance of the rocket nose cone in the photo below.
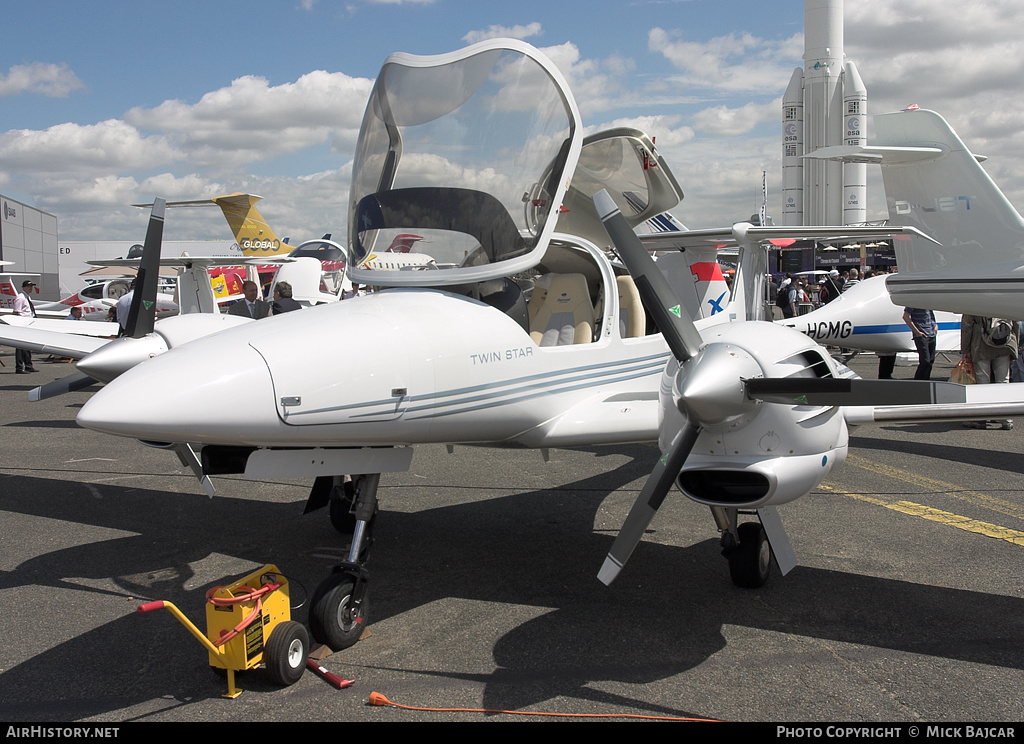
(187, 395)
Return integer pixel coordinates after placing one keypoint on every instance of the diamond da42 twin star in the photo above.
(515, 335)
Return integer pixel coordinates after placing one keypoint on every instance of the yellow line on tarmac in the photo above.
(1014, 537)
(972, 497)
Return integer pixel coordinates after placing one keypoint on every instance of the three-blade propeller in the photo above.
(719, 382)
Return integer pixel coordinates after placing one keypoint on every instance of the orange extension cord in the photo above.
(377, 699)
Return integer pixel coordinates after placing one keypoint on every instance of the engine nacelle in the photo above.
(768, 453)
(750, 483)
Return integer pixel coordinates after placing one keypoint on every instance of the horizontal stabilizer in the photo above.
(868, 154)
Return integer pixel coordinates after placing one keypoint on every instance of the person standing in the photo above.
(991, 344)
(123, 308)
(252, 306)
(789, 298)
(23, 306)
(922, 327)
(283, 300)
(831, 287)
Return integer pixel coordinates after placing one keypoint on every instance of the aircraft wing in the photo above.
(51, 342)
(179, 262)
(993, 401)
(58, 323)
(743, 232)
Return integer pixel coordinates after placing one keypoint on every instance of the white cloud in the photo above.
(68, 148)
(722, 120)
(967, 65)
(597, 85)
(47, 79)
(663, 128)
(74, 170)
(250, 120)
(737, 62)
(494, 32)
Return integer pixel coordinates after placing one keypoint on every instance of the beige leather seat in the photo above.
(564, 314)
(632, 317)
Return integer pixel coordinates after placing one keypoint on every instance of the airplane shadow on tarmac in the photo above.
(664, 616)
(985, 454)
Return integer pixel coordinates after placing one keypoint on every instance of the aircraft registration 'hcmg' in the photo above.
(514, 335)
(864, 318)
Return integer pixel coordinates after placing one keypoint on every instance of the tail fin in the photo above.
(934, 183)
(250, 229)
(947, 195)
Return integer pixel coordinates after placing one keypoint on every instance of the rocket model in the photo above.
(824, 105)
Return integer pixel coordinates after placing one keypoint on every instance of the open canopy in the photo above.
(469, 151)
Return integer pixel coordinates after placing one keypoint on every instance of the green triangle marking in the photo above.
(147, 304)
(676, 311)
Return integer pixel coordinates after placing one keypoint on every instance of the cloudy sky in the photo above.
(103, 104)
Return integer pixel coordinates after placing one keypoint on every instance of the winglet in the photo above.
(142, 314)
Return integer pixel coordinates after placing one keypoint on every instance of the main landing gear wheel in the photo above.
(335, 617)
(750, 562)
(286, 652)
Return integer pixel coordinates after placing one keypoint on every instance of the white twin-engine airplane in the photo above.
(864, 318)
(517, 335)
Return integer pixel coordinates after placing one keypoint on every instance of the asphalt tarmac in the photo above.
(908, 603)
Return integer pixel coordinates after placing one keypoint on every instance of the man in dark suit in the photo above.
(283, 301)
(252, 306)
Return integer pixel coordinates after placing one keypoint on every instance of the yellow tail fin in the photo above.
(251, 230)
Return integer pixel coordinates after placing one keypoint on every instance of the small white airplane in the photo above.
(100, 359)
(10, 285)
(52, 316)
(864, 318)
(748, 413)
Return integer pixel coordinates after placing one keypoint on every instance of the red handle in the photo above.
(329, 677)
(150, 606)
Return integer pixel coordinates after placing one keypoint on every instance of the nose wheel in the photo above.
(338, 607)
(750, 560)
(337, 612)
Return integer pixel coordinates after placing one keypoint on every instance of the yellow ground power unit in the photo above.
(248, 624)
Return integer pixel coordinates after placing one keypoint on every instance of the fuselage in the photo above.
(397, 367)
(865, 318)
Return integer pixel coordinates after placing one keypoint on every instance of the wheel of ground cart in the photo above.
(750, 563)
(286, 652)
(333, 618)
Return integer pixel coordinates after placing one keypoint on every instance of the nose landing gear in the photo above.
(338, 608)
